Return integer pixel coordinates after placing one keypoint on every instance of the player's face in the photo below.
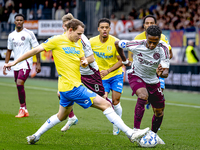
(152, 41)
(104, 29)
(76, 35)
(19, 21)
(148, 22)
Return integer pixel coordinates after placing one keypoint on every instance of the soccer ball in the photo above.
(151, 139)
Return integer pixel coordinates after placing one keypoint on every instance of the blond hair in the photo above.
(67, 17)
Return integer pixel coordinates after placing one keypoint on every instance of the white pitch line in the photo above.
(124, 98)
(184, 105)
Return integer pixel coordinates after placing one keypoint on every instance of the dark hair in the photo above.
(19, 15)
(154, 30)
(149, 16)
(74, 23)
(104, 20)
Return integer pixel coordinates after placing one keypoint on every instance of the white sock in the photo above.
(74, 117)
(116, 120)
(52, 121)
(118, 109)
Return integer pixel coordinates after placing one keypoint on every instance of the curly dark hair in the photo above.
(154, 30)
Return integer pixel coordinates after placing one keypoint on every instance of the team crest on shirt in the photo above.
(109, 48)
(156, 56)
(22, 38)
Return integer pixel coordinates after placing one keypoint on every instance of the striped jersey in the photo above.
(146, 61)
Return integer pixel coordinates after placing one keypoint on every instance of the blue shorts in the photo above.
(162, 82)
(81, 95)
(114, 83)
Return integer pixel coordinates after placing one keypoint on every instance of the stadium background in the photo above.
(182, 76)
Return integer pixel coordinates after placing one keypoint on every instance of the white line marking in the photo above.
(124, 98)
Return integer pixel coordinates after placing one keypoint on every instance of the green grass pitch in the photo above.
(180, 129)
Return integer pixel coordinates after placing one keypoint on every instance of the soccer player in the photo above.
(68, 56)
(148, 21)
(110, 65)
(20, 41)
(90, 75)
(150, 56)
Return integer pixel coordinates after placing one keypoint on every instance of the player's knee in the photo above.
(159, 112)
(143, 96)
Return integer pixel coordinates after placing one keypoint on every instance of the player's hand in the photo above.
(38, 67)
(103, 73)
(8, 67)
(127, 63)
(84, 63)
(159, 70)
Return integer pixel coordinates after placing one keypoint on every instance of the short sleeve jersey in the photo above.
(146, 61)
(88, 52)
(106, 55)
(20, 43)
(142, 36)
(66, 56)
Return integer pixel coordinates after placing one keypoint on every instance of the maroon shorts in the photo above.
(94, 82)
(156, 97)
(22, 74)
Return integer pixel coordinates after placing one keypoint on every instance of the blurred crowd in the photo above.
(37, 9)
(170, 14)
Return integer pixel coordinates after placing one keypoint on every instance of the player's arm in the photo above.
(8, 54)
(116, 66)
(25, 56)
(119, 45)
(84, 62)
(38, 65)
(90, 58)
(170, 53)
(163, 69)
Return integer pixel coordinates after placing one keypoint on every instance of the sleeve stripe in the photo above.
(134, 43)
(166, 50)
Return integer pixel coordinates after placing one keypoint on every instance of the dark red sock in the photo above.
(156, 123)
(139, 112)
(21, 95)
(71, 114)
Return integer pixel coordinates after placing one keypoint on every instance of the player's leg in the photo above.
(51, 122)
(108, 111)
(20, 78)
(158, 103)
(139, 88)
(72, 120)
(66, 104)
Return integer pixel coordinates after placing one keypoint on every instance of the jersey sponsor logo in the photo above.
(15, 44)
(143, 61)
(102, 55)
(22, 38)
(156, 56)
(70, 50)
(139, 54)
